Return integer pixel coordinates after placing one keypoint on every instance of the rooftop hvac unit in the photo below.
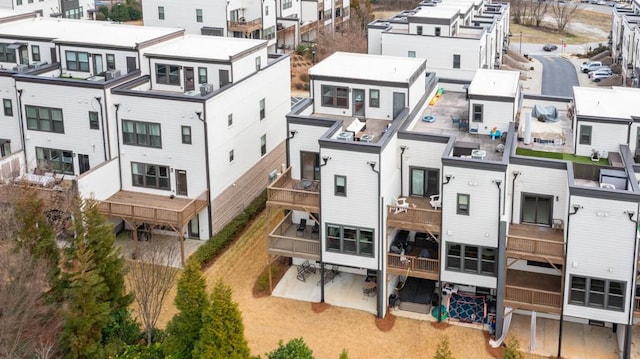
(478, 154)
(345, 136)
(366, 138)
(21, 68)
(112, 74)
(38, 64)
(206, 89)
(95, 78)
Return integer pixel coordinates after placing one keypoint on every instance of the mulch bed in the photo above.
(494, 352)
(319, 307)
(278, 269)
(440, 326)
(386, 324)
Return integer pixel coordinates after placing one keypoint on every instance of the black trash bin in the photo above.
(393, 298)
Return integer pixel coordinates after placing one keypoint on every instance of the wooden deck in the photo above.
(289, 193)
(285, 240)
(413, 266)
(419, 216)
(532, 242)
(245, 26)
(533, 291)
(153, 209)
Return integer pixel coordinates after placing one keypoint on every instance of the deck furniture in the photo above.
(304, 270)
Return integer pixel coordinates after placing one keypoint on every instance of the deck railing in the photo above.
(533, 296)
(308, 27)
(535, 246)
(414, 215)
(636, 305)
(281, 242)
(411, 263)
(287, 191)
(246, 26)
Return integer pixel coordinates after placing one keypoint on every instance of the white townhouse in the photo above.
(457, 37)
(624, 41)
(69, 9)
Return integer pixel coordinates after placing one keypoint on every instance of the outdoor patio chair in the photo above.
(316, 228)
(401, 205)
(435, 201)
(302, 227)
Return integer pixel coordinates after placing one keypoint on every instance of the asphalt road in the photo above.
(558, 76)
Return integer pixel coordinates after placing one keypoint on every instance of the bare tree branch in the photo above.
(562, 12)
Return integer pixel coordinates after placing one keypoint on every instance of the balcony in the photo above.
(413, 266)
(636, 306)
(301, 195)
(308, 26)
(245, 26)
(286, 240)
(536, 243)
(419, 216)
(533, 291)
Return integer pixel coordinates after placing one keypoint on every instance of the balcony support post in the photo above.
(501, 276)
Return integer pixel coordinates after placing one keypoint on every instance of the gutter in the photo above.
(207, 168)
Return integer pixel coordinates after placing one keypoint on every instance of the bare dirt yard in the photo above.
(268, 319)
(585, 26)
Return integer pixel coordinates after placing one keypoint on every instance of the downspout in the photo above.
(576, 208)
(628, 332)
(498, 183)
(448, 179)
(293, 134)
(106, 125)
(104, 140)
(402, 149)
(117, 106)
(150, 72)
(22, 131)
(379, 277)
(513, 192)
(325, 159)
(208, 171)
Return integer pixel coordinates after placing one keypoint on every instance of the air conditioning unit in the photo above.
(21, 68)
(279, 26)
(38, 64)
(95, 78)
(112, 74)
(366, 138)
(478, 154)
(345, 136)
(206, 89)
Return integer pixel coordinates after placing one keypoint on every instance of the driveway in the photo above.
(558, 76)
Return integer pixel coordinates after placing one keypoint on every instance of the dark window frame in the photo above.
(460, 206)
(94, 121)
(456, 61)
(7, 54)
(340, 190)
(582, 296)
(419, 30)
(35, 52)
(263, 110)
(56, 160)
(477, 112)
(263, 145)
(374, 101)
(199, 15)
(334, 96)
(56, 126)
(186, 137)
(142, 138)
(151, 176)
(203, 75)
(75, 63)
(161, 15)
(231, 156)
(7, 105)
(438, 31)
(167, 74)
(111, 61)
(586, 133)
(350, 240)
(459, 259)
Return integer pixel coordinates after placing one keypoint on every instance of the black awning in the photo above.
(17, 45)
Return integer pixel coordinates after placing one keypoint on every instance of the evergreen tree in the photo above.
(86, 313)
(34, 232)
(191, 301)
(295, 348)
(222, 334)
(443, 351)
(512, 350)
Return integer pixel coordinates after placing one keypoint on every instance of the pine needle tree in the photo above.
(443, 351)
(191, 301)
(222, 334)
(295, 348)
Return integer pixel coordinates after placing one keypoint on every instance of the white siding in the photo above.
(495, 114)
(45, 53)
(414, 156)
(183, 14)
(605, 137)
(247, 65)
(101, 182)
(601, 244)
(120, 57)
(10, 128)
(305, 140)
(212, 74)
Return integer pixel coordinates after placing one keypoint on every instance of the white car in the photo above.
(586, 67)
(601, 74)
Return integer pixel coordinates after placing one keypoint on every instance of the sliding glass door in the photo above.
(536, 209)
(424, 181)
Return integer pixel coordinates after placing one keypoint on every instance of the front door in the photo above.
(54, 54)
(537, 209)
(24, 55)
(358, 103)
(194, 228)
(83, 163)
(131, 64)
(189, 82)
(398, 103)
(224, 77)
(424, 182)
(98, 66)
(181, 182)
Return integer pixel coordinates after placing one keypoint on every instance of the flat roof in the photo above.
(9, 13)
(436, 12)
(99, 33)
(615, 102)
(495, 83)
(205, 47)
(368, 67)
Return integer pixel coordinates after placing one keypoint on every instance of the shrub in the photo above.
(219, 242)
(443, 351)
(295, 348)
(298, 86)
(301, 49)
(344, 354)
(304, 77)
(512, 350)
(305, 87)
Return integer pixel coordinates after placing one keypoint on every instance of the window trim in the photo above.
(59, 164)
(584, 137)
(157, 176)
(336, 186)
(186, 138)
(39, 120)
(606, 294)
(35, 53)
(374, 102)
(419, 30)
(329, 96)
(7, 54)
(411, 54)
(76, 64)
(7, 105)
(94, 121)
(230, 120)
(479, 260)
(359, 241)
(167, 78)
(147, 133)
(199, 16)
(263, 105)
(111, 61)
(457, 61)
(161, 13)
(263, 145)
(475, 111)
(462, 211)
(231, 156)
(203, 75)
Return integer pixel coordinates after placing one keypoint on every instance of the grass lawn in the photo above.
(561, 156)
(548, 34)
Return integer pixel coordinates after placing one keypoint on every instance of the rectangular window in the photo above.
(231, 156)
(44, 119)
(160, 12)
(93, 120)
(77, 61)
(138, 133)
(463, 204)
(53, 160)
(168, 74)
(471, 259)
(266, 10)
(111, 62)
(18, 2)
(286, 4)
(230, 120)
(456, 61)
(419, 30)
(262, 109)
(585, 135)
(8, 107)
(198, 15)
(202, 75)
(258, 63)
(150, 176)
(333, 96)
(263, 145)
(424, 182)
(437, 31)
(340, 185)
(350, 240)
(374, 98)
(477, 112)
(597, 293)
(411, 54)
(7, 54)
(186, 135)
(35, 52)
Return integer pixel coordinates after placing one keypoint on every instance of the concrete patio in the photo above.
(127, 246)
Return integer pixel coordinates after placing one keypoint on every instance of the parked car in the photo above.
(549, 47)
(601, 2)
(590, 66)
(598, 75)
(603, 68)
